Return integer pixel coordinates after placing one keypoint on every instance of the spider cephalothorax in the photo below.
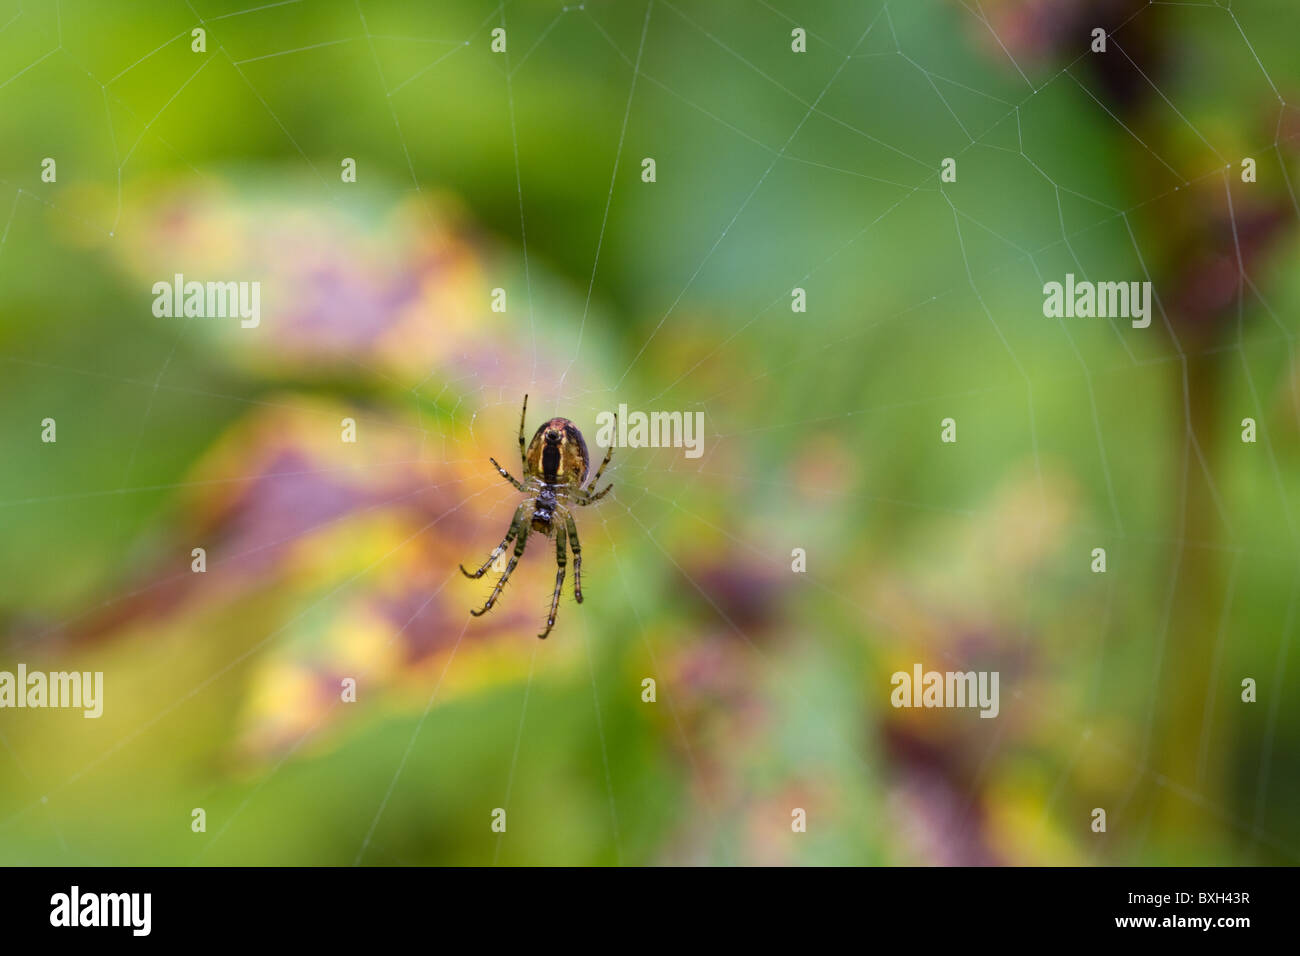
(555, 466)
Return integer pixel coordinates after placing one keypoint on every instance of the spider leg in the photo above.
(587, 499)
(561, 558)
(609, 453)
(507, 476)
(510, 568)
(576, 547)
(505, 543)
(522, 457)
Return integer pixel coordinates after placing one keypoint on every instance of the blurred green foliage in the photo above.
(774, 170)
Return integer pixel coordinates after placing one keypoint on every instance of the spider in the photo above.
(555, 467)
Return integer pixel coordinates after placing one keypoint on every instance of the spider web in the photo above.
(825, 177)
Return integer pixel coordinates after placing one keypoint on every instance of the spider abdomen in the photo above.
(557, 454)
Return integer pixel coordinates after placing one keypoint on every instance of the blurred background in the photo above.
(222, 155)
